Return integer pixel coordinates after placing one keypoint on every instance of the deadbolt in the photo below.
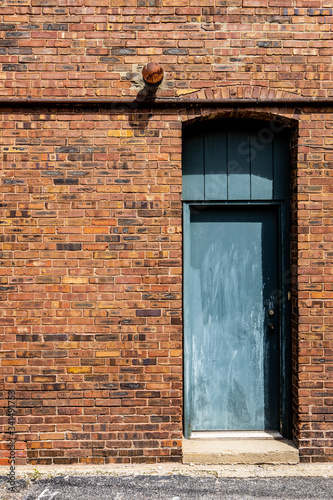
(271, 312)
(271, 327)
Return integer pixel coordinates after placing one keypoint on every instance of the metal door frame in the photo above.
(283, 214)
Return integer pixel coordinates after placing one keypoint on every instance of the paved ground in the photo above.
(171, 482)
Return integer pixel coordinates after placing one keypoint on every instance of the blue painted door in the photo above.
(231, 315)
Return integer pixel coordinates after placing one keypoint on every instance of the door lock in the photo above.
(271, 312)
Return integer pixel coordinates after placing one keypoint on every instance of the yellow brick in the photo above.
(176, 353)
(105, 255)
(107, 354)
(79, 369)
(120, 133)
(75, 280)
(68, 345)
(186, 91)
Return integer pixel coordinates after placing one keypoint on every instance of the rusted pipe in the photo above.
(133, 104)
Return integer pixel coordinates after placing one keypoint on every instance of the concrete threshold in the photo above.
(249, 451)
(35, 472)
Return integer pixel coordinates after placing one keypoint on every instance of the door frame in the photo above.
(283, 213)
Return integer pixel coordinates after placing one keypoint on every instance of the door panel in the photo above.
(231, 342)
(215, 161)
(193, 172)
(261, 170)
(239, 166)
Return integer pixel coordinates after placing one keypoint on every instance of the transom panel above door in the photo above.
(235, 160)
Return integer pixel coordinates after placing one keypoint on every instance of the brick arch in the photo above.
(269, 114)
(193, 115)
(257, 92)
(289, 115)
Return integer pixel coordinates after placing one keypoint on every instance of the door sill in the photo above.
(236, 435)
(239, 451)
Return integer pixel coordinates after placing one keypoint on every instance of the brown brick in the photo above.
(90, 224)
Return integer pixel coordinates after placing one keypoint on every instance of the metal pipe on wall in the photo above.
(171, 103)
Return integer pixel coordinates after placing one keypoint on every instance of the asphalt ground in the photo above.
(171, 483)
(176, 487)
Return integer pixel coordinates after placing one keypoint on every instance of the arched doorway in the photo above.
(236, 276)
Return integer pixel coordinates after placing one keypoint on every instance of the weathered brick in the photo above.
(91, 233)
(14, 67)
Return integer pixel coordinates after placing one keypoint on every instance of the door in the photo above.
(231, 336)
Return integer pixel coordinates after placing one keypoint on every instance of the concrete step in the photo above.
(239, 451)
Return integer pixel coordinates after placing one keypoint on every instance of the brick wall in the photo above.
(91, 285)
(90, 233)
(313, 319)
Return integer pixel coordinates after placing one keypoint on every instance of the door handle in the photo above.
(271, 327)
